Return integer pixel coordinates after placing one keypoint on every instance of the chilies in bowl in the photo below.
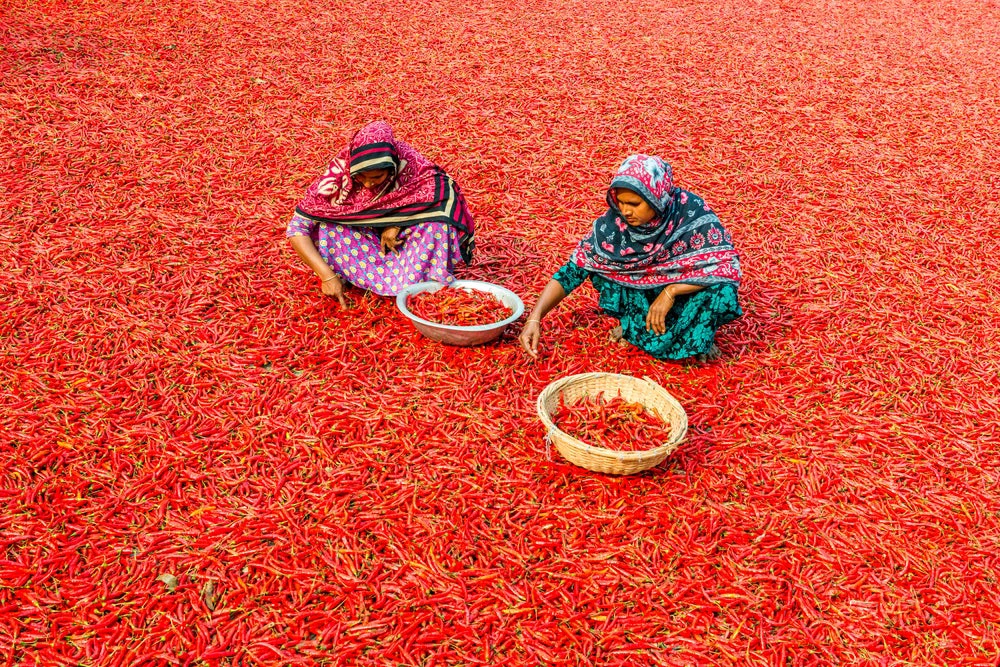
(458, 307)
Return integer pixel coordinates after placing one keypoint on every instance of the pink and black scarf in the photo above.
(417, 190)
(684, 243)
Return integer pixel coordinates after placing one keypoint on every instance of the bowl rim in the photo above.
(424, 286)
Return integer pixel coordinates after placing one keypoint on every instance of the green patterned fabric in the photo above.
(691, 323)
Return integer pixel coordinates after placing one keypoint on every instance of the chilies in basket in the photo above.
(458, 307)
(615, 424)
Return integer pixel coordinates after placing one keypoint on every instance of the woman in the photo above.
(382, 217)
(661, 261)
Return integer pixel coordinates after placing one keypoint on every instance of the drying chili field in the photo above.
(205, 461)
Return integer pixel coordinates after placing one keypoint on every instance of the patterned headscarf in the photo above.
(683, 243)
(416, 191)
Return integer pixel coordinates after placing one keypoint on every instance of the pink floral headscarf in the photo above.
(684, 243)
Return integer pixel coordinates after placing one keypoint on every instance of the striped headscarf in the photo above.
(416, 191)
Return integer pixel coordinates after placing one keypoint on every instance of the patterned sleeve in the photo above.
(299, 226)
(570, 276)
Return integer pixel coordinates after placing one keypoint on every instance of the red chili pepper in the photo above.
(615, 424)
(458, 307)
(176, 395)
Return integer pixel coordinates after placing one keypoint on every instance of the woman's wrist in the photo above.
(332, 276)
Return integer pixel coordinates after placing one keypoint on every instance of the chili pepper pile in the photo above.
(205, 460)
(613, 424)
(458, 307)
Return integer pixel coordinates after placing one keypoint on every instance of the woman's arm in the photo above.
(547, 300)
(657, 315)
(331, 283)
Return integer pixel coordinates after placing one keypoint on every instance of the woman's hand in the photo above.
(657, 315)
(390, 240)
(334, 286)
(532, 331)
(530, 334)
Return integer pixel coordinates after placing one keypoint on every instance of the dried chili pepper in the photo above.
(175, 396)
(458, 307)
(613, 424)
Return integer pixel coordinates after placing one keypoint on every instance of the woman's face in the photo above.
(373, 179)
(634, 208)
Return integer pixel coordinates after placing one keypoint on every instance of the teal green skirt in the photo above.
(691, 323)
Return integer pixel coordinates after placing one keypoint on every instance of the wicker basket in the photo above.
(634, 390)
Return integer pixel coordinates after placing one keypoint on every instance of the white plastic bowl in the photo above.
(462, 336)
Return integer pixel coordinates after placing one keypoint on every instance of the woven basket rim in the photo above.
(635, 455)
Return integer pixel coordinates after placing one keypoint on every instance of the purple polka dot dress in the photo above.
(429, 252)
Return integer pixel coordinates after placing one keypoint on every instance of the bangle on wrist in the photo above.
(326, 280)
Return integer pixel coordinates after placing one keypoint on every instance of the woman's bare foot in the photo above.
(711, 355)
(616, 335)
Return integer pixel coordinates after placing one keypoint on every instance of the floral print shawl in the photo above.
(684, 243)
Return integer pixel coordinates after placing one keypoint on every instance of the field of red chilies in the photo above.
(205, 461)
